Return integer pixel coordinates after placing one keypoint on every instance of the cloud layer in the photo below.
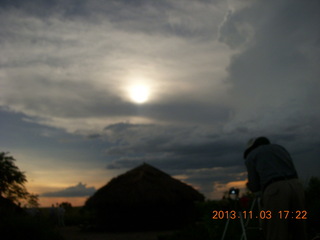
(219, 72)
(75, 64)
(79, 190)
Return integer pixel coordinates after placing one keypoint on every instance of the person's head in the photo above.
(254, 143)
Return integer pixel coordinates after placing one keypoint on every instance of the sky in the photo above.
(92, 89)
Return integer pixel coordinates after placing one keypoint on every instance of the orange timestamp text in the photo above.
(263, 214)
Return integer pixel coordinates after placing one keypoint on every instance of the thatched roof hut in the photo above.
(144, 198)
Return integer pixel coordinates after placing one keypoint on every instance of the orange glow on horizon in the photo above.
(219, 189)
(75, 201)
(236, 184)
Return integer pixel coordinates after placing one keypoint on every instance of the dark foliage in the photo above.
(17, 227)
(16, 224)
(11, 179)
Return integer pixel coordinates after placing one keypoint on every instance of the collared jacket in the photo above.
(268, 162)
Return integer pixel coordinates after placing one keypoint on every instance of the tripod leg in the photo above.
(244, 235)
(225, 229)
(259, 207)
(251, 209)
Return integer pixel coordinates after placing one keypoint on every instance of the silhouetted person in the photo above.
(271, 171)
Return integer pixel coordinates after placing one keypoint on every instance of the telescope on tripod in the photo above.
(234, 195)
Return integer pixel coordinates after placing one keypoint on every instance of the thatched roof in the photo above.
(145, 191)
(144, 184)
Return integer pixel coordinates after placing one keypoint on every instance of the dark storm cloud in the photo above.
(79, 190)
(208, 178)
(186, 111)
(94, 136)
(277, 64)
(170, 147)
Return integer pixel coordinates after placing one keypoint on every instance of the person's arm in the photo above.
(253, 176)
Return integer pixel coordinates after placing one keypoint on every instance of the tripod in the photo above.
(244, 226)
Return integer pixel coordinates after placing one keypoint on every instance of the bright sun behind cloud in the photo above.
(139, 93)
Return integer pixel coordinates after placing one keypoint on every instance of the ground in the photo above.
(74, 233)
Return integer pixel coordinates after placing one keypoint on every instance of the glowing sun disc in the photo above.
(139, 94)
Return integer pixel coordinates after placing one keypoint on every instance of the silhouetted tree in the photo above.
(66, 205)
(33, 201)
(12, 182)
